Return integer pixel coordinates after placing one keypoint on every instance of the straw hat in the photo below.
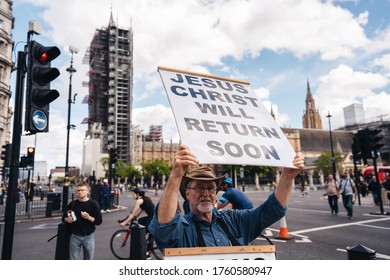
(203, 173)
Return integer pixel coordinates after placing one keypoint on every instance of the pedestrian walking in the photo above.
(333, 193)
(105, 197)
(375, 188)
(347, 190)
(82, 215)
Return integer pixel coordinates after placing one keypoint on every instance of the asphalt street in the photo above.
(316, 233)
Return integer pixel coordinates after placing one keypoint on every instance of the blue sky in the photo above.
(341, 47)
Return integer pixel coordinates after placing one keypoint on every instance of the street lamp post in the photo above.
(331, 147)
(71, 70)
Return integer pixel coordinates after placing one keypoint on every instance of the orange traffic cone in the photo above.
(283, 232)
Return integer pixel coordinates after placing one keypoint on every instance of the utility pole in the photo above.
(331, 148)
(71, 70)
(10, 207)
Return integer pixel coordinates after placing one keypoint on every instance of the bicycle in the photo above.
(120, 243)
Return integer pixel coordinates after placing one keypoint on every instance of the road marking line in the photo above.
(45, 226)
(338, 226)
(371, 226)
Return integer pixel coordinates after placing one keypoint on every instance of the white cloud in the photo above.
(156, 115)
(383, 61)
(344, 86)
(196, 35)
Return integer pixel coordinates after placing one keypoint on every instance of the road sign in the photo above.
(39, 120)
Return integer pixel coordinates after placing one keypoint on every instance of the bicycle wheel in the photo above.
(120, 244)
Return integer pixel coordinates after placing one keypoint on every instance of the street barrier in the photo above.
(49, 209)
(137, 242)
(361, 252)
(62, 245)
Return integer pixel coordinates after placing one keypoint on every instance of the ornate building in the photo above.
(311, 118)
(6, 67)
(110, 59)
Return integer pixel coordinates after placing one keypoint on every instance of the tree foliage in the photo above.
(324, 162)
(130, 172)
(156, 168)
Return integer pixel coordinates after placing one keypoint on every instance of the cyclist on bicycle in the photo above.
(143, 204)
(233, 196)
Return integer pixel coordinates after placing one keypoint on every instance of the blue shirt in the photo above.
(245, 225)
(346, 186)
(237, 198)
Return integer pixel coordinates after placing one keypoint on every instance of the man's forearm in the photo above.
(284, 188)
(168, 202)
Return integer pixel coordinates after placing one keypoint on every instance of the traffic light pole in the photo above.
(14, 167)
(331, 148)
(65, 189)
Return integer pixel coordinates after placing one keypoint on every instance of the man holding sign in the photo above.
(204, 226)
(222, 122)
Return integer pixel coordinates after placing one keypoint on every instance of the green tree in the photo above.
(105, 162)
(156, 168)
(130, 172)
(324, 162)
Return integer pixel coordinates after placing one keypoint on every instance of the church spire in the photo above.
(311, 117)
(308, 88)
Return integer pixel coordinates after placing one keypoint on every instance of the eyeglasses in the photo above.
(201, 190)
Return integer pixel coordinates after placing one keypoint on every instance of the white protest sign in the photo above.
(222, 121)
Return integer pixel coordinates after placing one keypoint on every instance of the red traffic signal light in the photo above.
(39, 95)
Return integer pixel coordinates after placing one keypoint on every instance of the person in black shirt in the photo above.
(143, 204)
(375, 188)
(82, 215)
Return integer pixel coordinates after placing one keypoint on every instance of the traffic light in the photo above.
(30, 157)
(372, 142)
(113, 156)
(375, 139)
(39, 95)
(356, 152)
(365, 152)
(6, 155)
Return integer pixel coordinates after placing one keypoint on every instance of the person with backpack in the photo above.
(347, 190)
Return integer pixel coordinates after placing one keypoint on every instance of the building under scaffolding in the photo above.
(110, 59)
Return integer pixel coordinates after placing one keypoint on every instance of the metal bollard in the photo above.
(62, 245)
(49, 208)
(361, 252)
(137, 242)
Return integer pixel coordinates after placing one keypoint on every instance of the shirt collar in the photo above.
(196, 219)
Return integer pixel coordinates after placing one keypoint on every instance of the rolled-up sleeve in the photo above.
(167, 235)
(248, 224)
